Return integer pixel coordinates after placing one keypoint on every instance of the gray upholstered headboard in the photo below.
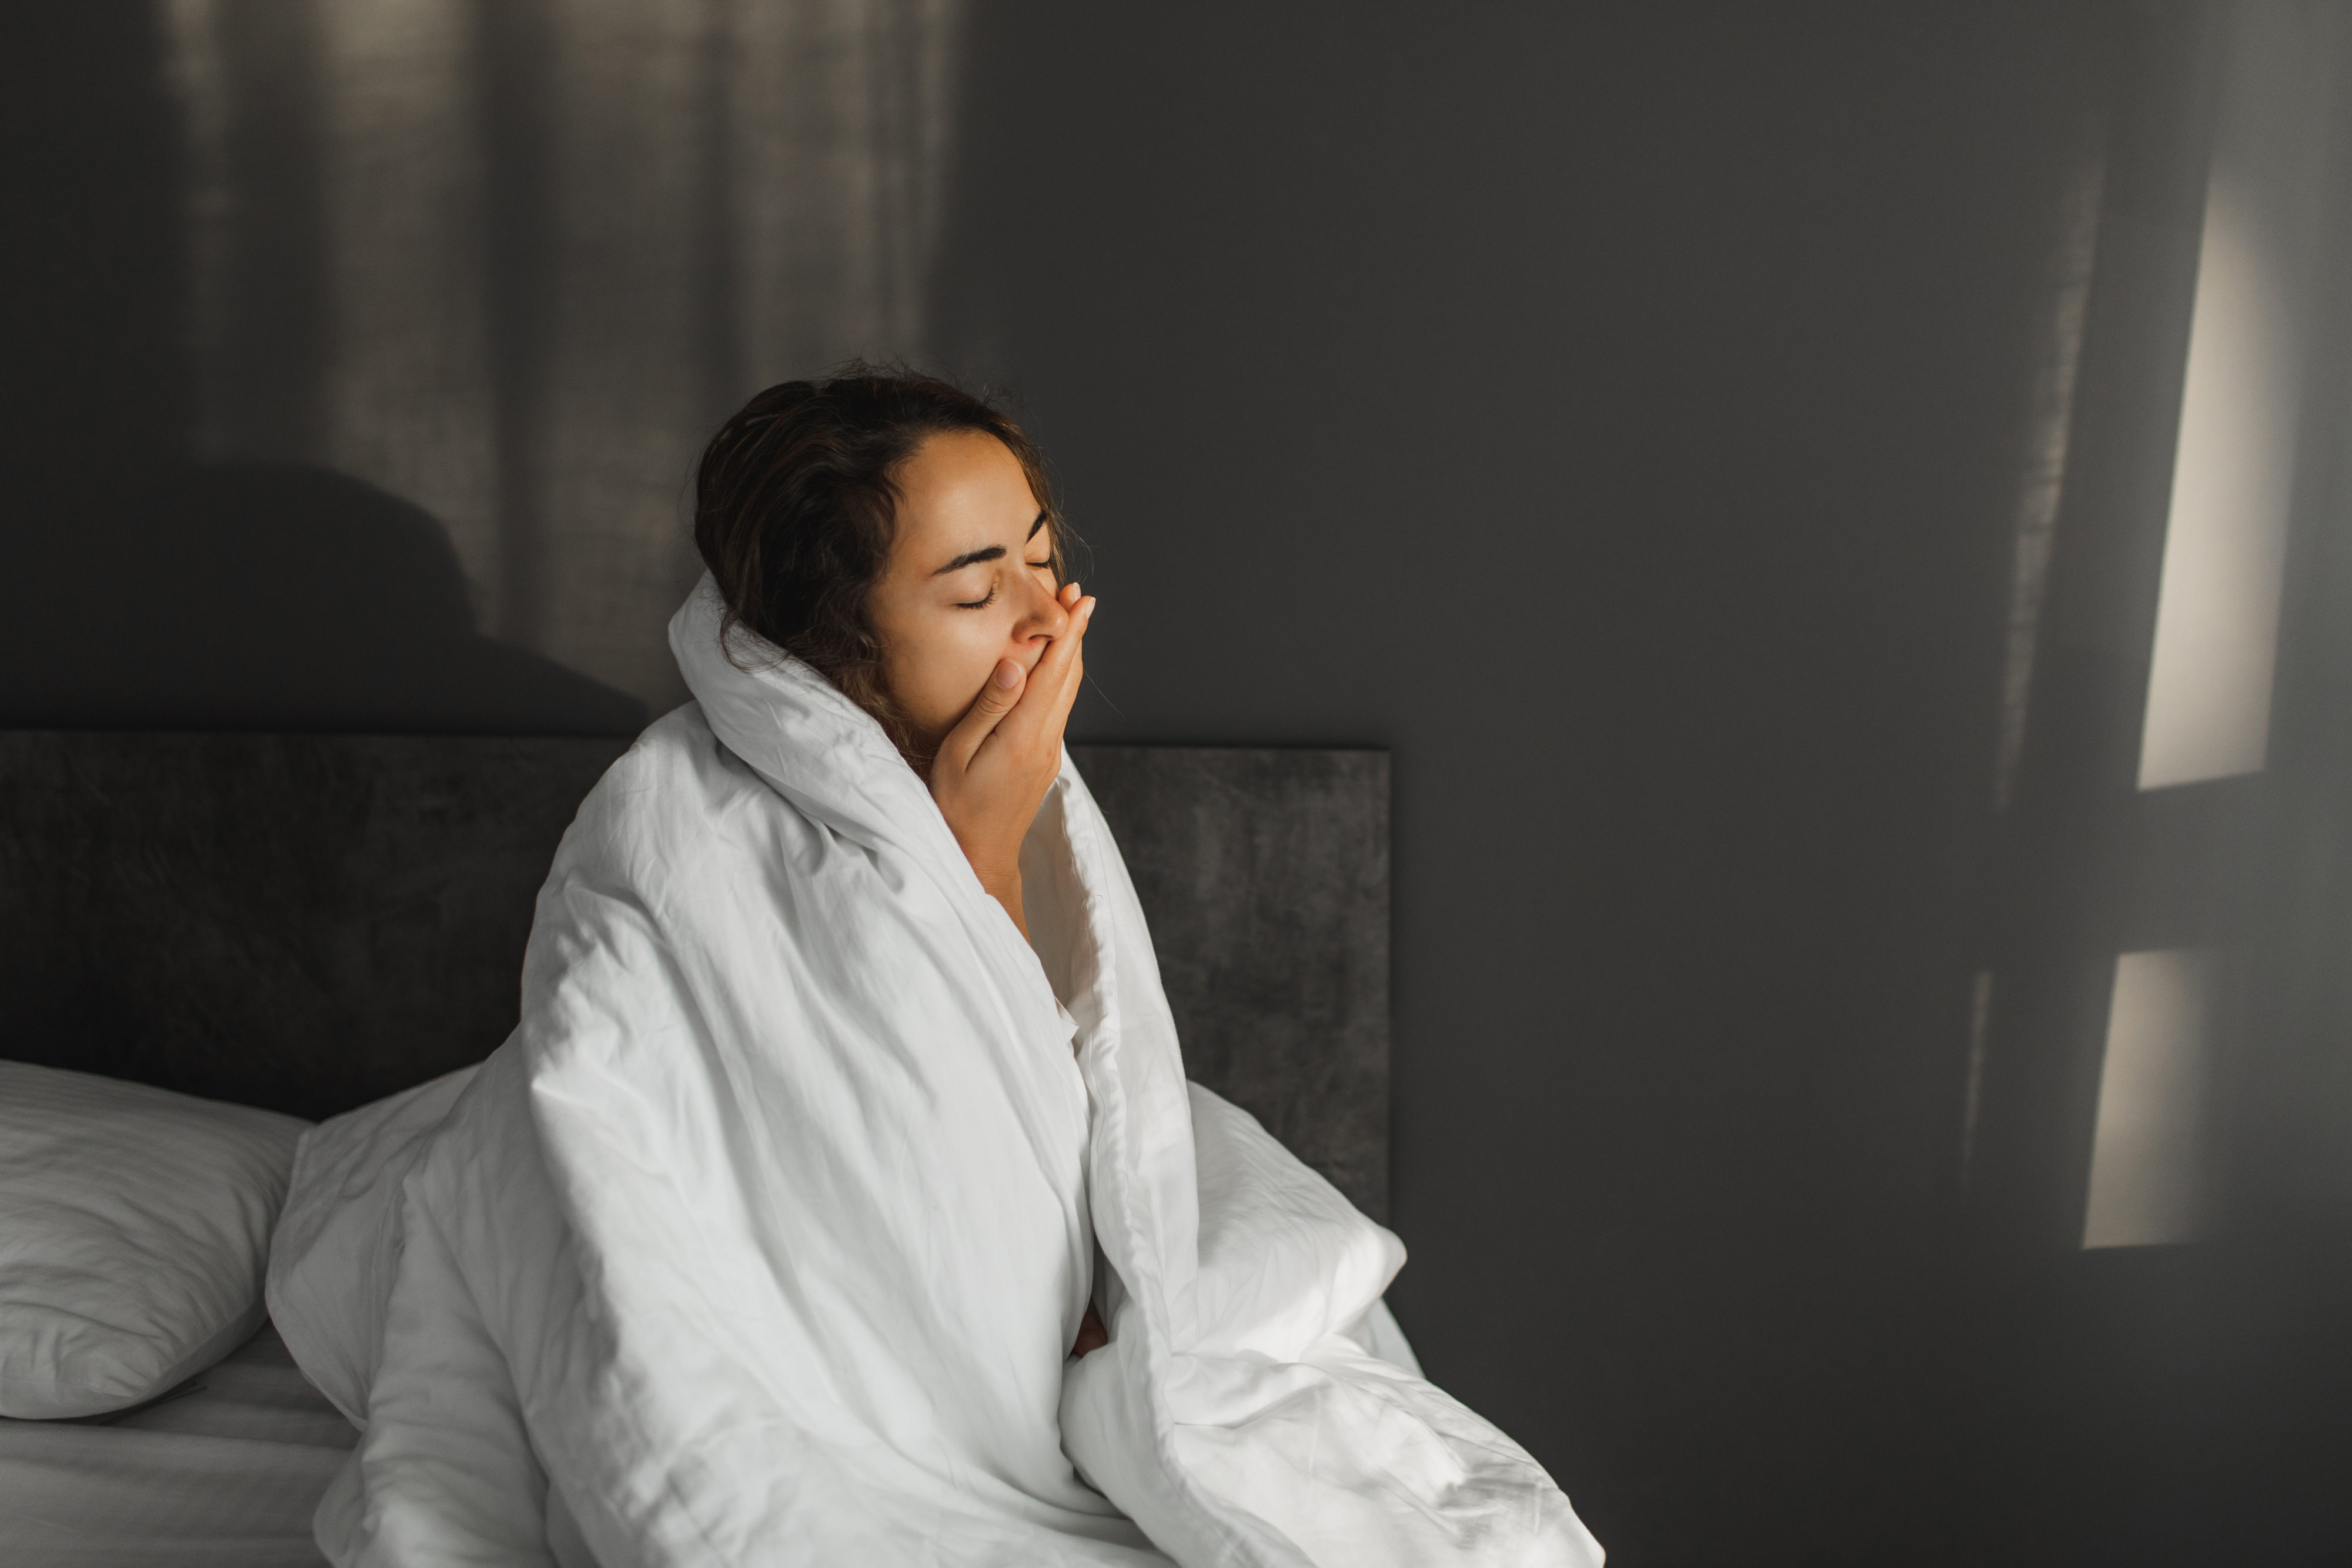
(307, 922)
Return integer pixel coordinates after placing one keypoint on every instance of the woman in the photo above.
(839, 1198)
(891, 532)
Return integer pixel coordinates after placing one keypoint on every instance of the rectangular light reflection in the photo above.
(2151, 1154)
(2208, 695)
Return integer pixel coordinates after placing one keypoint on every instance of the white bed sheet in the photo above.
(224, 1473)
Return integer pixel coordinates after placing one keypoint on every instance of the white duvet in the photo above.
(765, 1236)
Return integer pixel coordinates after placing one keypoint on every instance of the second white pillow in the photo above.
(134, 1232)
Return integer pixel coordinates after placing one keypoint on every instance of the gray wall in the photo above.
(1619, 412)
(1622, 412)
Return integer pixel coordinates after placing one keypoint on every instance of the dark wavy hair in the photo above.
(795, 507)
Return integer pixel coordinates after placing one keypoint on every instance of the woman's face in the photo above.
(970, 580)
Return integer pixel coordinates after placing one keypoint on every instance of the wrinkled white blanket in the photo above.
(765, 1236)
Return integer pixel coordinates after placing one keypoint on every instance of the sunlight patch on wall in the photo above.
(2208, 693)
(2151, 1154)
(2209, 690)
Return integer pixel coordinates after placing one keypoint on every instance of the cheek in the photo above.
(936, 663)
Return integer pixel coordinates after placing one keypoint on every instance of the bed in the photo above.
(308, 923)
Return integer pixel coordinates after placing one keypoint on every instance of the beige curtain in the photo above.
(513, 259)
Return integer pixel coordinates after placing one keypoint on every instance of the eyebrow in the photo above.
(993, 552)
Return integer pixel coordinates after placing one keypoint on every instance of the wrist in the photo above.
(1003, 885)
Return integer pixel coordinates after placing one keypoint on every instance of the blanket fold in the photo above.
(764, 1237)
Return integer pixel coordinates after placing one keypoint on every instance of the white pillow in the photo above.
(134, 1232)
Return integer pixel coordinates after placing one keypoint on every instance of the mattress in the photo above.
(224, 1473)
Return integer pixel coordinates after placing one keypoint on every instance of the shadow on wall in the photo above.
(267, 596)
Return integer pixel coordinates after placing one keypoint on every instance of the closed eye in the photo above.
(1045, 565)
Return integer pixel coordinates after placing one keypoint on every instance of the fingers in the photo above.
(999, 697)
(1064, 655)
(1018, 707)
(1075, 668)
(1053, 685)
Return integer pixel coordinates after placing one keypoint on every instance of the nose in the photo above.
(1042, 616)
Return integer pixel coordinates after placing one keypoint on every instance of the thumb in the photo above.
(996, 699)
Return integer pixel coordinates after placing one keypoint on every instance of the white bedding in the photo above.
(765, 1238)
(226, 1475)
(134, 1232)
